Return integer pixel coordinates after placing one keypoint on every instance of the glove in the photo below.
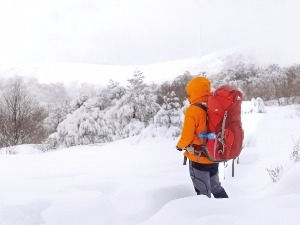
(179, 149)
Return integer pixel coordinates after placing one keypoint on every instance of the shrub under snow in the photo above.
(254, 106)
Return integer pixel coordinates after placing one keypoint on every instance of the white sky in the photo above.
(145, 31)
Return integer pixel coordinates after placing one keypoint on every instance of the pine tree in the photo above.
(170, 115)
(137, 106)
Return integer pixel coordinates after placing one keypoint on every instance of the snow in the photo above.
(142, 181)
(73, 74)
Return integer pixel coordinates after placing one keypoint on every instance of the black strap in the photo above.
(184, 160)
(204, 107)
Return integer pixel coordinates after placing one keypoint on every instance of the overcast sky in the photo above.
(145, 31)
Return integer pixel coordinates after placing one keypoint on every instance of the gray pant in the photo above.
(206, 181)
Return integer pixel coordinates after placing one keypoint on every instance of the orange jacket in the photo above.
(194, 123)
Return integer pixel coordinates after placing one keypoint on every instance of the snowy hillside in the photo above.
(142, 181)
(74, 74)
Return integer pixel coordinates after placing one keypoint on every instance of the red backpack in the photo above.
(225, 134)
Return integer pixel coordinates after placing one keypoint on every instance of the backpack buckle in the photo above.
(190, 149)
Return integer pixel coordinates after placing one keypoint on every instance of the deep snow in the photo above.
(142, 181)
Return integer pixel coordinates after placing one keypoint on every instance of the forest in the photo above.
(45, 115)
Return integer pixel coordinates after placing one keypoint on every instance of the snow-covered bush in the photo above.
(275, 172)
(114, 91)
(113, 114)
(140, 99)
(173, 132)
(298, 110)
(177, 85)
(170, 115)
(247, 107)
(56, 114)
(49, 144)
(86, 125)
(10, 150)
(295, 155)
(135, 108)
(134, 128)
(259, 105)
(78, 102)
(254, 106)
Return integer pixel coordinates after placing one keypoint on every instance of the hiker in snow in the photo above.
(204, 172)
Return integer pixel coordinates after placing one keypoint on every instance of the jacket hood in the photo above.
(198, 89)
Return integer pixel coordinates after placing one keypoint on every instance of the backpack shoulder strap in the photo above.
(202, 106)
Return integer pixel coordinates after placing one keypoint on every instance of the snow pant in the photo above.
(205, 178)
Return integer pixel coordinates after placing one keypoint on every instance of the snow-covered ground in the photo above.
(135, 181)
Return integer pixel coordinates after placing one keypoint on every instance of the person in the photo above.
(203, 172)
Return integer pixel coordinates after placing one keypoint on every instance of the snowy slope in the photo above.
(135, 181)
(72, 74)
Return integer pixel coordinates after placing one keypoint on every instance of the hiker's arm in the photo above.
(188, 130)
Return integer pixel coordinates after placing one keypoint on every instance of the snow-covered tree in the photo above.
(134, 94)
(114, 91)
(170, 115)
(20, 114)
(86, 125)
(48, 92)
(86, 89)
(260, 105)
(137, 106)
(77, 102)
(56, 114)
